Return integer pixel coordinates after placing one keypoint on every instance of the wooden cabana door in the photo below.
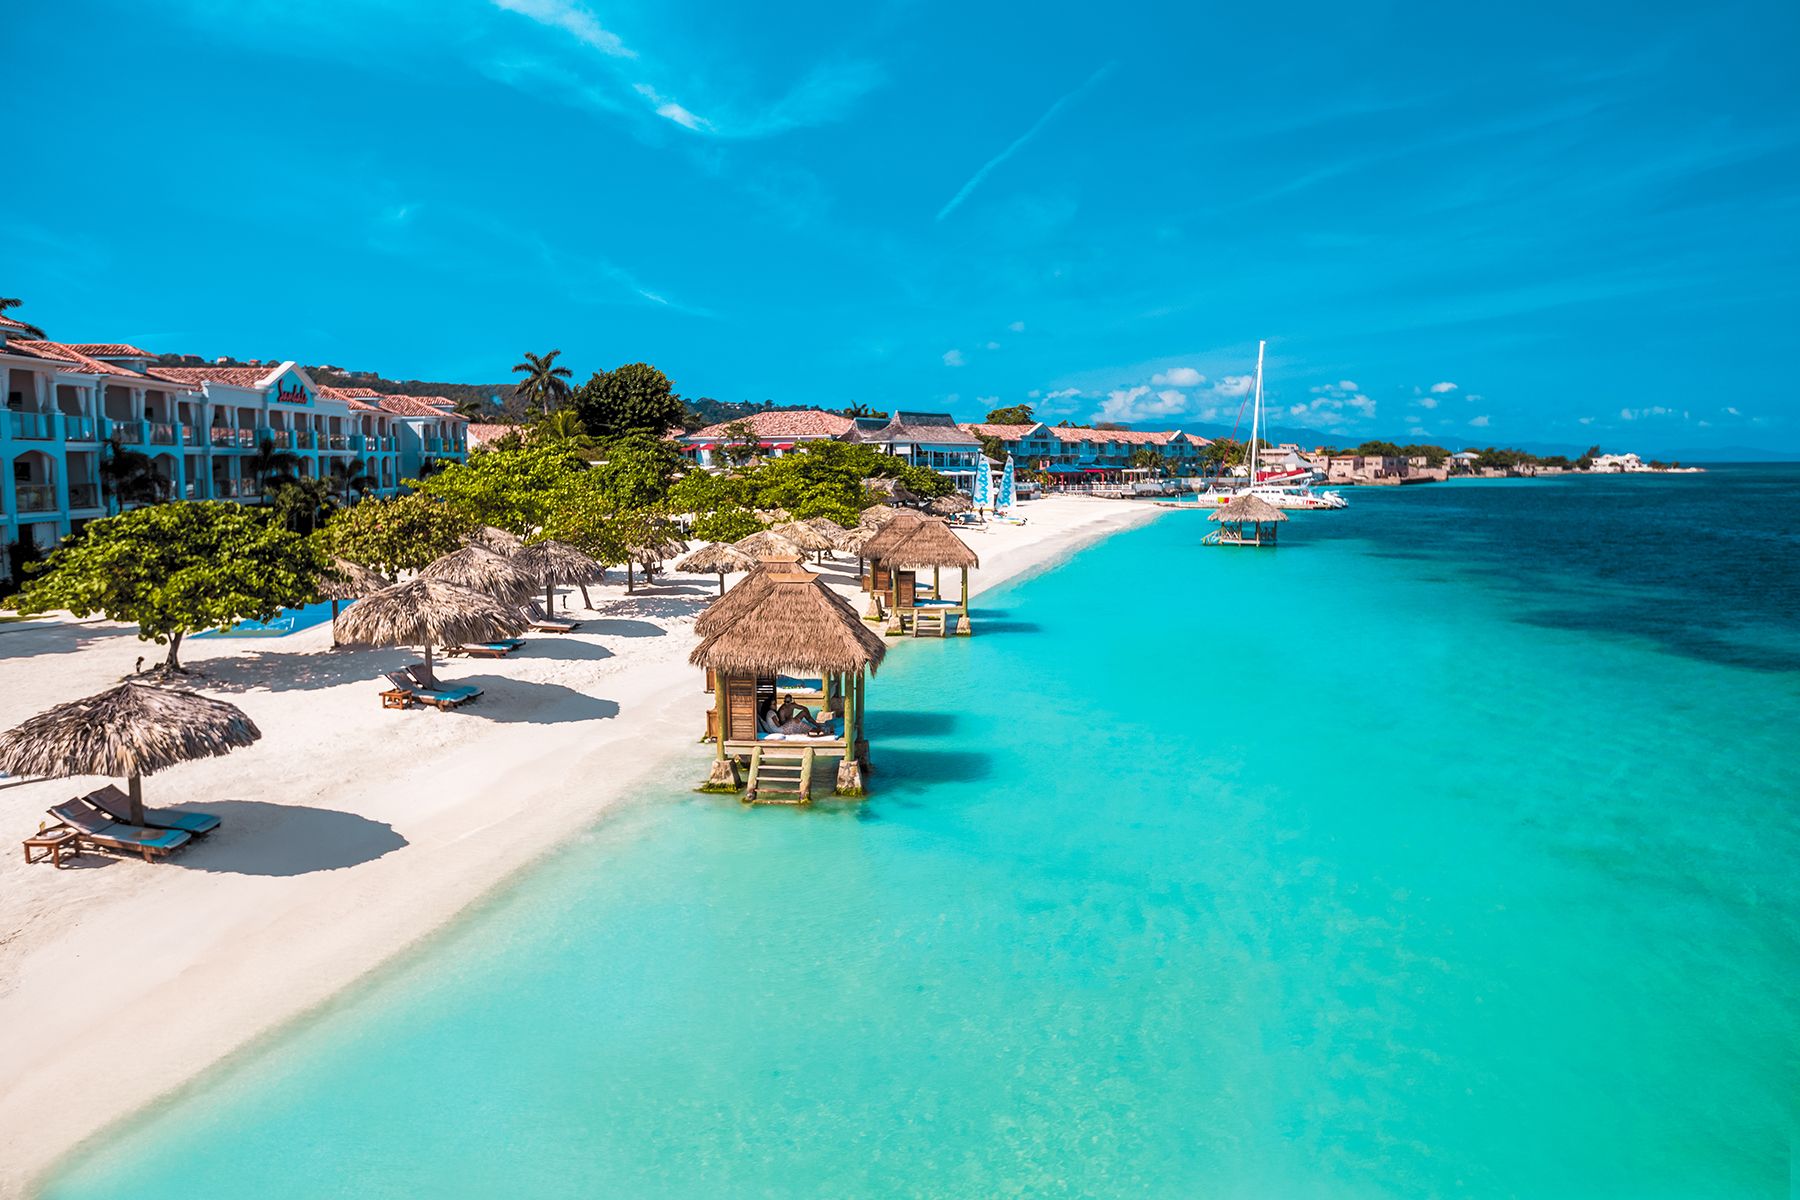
(738, 701)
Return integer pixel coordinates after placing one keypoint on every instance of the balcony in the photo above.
(80, 429)
(35, 497)
(281, 439)
(32, 426)
(305, 439)
(233, 439)
(193, 435)
(162, 434)
(126, 433)
(84, 495)
(227, 489)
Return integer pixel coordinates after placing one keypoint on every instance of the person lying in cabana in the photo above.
(789, 717)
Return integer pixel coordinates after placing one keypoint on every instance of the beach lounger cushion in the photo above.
(102, 830)
(117, 805)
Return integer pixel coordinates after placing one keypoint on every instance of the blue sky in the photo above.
(1473, 224)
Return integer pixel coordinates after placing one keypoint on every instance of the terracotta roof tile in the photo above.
(797, 423)
(412, 406)
(244, 377)
(69, 356)
(9, 323)
(481, 432)
(110, 350)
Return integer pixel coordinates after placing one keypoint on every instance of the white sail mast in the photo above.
(1256, 414)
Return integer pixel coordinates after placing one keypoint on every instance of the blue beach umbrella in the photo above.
(1006, 487)
(982, 494)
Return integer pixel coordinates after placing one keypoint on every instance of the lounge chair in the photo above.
(436, 695)
(499, 649)
(103, 833)
(117, 805)
(552, 625)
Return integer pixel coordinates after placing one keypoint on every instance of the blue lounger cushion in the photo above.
(835, 725)
(115, 804)
(461, 691)
(160, 839)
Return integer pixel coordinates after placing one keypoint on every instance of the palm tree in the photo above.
(130, 478)
(352, 476)
(545, 384)
(301, 501)
(564, 429)
(271, 467)
(31, 330)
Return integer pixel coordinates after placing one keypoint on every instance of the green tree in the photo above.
(1586, 461)
(8, 303)
(129, 477)
(1379, 450)
(738, 445)
(175, 569)
(1014, 414)
(634, 398)
(270, 467)
(303, 503)
(545, 385)
(351, 478)
(636, 473)
(401, 533)
(508, 489)
(1222, 453)
(1434, 456)
(727, 525)
(1149, 458)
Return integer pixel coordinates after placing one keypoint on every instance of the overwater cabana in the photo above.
(1245, 521)
(875, 580)
(786, 629)
(928, 543)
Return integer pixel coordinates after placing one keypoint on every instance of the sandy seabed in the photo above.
(350, 831)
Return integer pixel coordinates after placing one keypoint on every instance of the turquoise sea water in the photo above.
(1448, 850)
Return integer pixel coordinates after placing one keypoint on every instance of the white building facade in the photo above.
(71, 406)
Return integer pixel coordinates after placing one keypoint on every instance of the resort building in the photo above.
(772, 433)
(1078, 454)
(924, 439)
(70, 406)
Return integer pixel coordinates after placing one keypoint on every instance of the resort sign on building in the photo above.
(289, 390)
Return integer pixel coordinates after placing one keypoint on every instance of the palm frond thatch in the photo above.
(551, 562)
(955, 502)
(854, 540)
(481, 570)
(893, 530)
(719, 558)
(744, 595)
(768, 515)
(500, 541)
(805, 536)
(130, 730)
(428, 612)
(769, 544)
(929, 543)
(798, 623)
(1247, 507)
(345, 580)
(877, 515)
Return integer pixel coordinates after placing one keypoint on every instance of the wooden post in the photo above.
(963, 628)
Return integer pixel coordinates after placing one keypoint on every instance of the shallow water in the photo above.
(1447, 850)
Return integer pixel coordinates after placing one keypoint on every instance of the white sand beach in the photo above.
(349, 831)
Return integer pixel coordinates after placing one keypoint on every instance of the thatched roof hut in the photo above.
(769, 544)
(928, 543)
(345, 580)
(556, 562)
(805, 536)
(955, 502)
(854, 540)
(799, 623)
(1246, 508)
(719, 558)
(877, 515)
(896, 527)
(745, 594)
(129, 731)
(1242, 521)
(428, 612)
(481, 570)
(491, 537)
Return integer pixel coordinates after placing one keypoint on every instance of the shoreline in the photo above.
(366, 846)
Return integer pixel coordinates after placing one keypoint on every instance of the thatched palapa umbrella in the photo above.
(129, 731)
(949, 506)
(720, 558)
(428, 612)
(829, 528)
(481, 570)
(345, 580)
(500, 541)
(557, 562)
(805, 536)
(770, 544)
(877, 515)
(650, 551)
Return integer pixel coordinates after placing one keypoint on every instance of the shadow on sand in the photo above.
(258, 838)
(624, 627)
(512, 701)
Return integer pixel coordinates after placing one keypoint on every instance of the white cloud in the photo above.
(1440, 388)
(1139, 403)
(571, 18)
(1734, 412)
(1017, 327)
(1655, 410)
(1334, 405)
(1480, 422)
(1178, 377)
(1348, 385)
(1063, 394)
(1019, 142)
(1427, 402)
(1234, 385)
(988, 401)
(992, 346)
(671, 110)
(1034, 393)
(1586, 420)
(954, 358)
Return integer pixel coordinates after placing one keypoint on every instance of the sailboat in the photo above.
(1282, 489)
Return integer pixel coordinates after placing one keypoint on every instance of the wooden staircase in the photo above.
(780, 776)
(929, 622)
